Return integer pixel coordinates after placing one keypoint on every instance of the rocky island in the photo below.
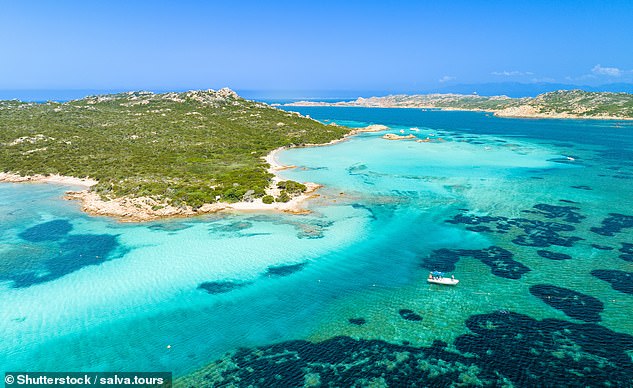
(143, 155)
(559, 104)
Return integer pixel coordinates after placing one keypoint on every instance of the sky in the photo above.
(320, 45)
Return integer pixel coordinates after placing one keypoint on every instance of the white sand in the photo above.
(56, 179)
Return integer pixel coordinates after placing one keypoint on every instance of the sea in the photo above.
(534, 217)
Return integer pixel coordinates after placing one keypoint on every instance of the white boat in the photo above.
(445, 281)
(436, 277)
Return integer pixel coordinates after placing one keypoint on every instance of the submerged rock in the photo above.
(393, 136)
(220, 287)
(285, 270)
(619, 280)
(409, 315)
(47, 231)
(551, 352)
(230, 228)
(553, 255)
(537, 233)
(442, 260)
(573, 303)
(613, 224)
(499, 260)
(602, 247)
(566, 213)
(627, 251)
(169, 226)
(479, 228)
(357, 321)
(72, 254)
(503, 349)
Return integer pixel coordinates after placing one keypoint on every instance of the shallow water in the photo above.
(86, 293)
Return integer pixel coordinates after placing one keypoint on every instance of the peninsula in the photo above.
(560, 104)
(143, 156)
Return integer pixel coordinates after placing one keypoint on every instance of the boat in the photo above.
(445, 281)
(436, 277)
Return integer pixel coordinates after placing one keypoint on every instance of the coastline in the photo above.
(520, 112)
(54, 179)
(142, 209)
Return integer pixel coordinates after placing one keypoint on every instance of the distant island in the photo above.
(576, 104)
(145, 155)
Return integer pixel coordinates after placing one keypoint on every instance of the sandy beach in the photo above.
(140, 209)
(55, 179)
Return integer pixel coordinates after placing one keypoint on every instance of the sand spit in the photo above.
(56, 179)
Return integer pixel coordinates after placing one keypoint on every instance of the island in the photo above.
(576, 104)
(143, 156)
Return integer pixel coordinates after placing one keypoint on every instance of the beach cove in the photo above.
(506, 205)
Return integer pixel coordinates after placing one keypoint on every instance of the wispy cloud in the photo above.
(538, 80)
(600, 73)
(513, 73)
(609, 71)
(447, 78)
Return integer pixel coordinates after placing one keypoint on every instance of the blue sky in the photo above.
(321, 45)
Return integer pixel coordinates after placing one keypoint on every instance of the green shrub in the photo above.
(234, 194)
(283, 197)
(268, 199)
(292, 187)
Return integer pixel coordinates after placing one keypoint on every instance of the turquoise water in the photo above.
(514, 208)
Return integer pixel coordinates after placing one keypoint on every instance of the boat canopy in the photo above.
(437, 273)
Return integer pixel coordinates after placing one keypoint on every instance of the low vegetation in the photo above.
(587, 104)
(179, 148)
(291, 187)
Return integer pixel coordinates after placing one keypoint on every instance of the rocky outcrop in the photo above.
(393, 136)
